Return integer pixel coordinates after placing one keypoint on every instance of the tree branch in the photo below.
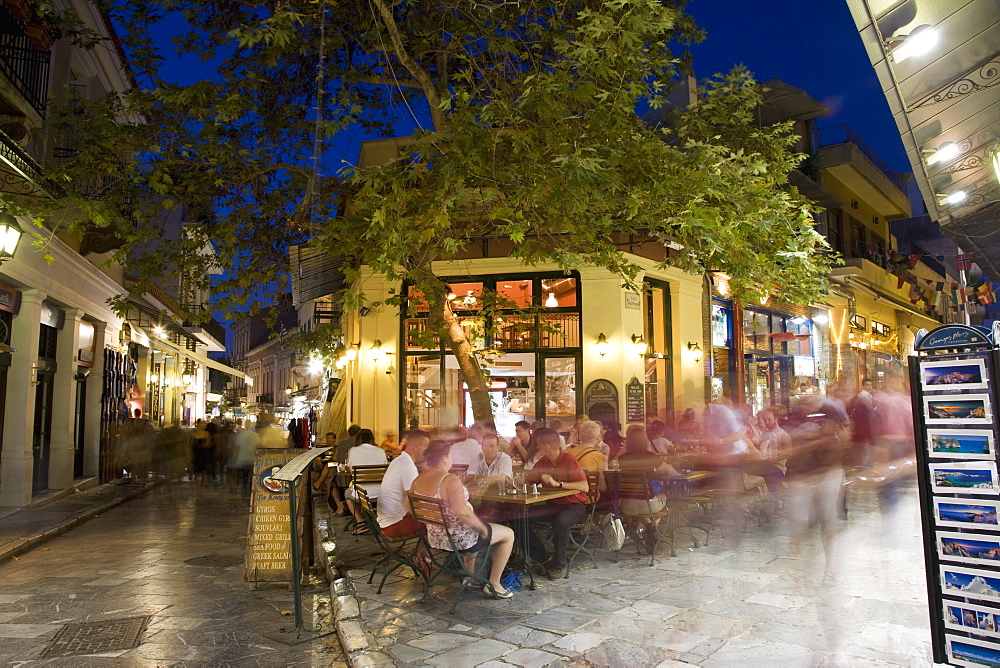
(416, 70)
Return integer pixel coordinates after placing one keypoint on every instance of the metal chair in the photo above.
(430, 512)
(403, 550)
(365, 475)
(579, 534)
(638, 486)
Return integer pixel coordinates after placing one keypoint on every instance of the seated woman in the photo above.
(364, 453)
(469, 533)
(640, 456)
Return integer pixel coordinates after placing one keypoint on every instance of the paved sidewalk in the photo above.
(26, 528)
(759, 603)
(170, 562)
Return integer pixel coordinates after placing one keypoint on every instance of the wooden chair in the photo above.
(638, 486)
(365, 475)
(402, 551)
(579, 534)
(429, 511)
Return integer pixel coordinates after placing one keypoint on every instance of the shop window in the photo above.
(423, 394)
(560, 387)
(656, 332)
(514, 294)
(468, 296)
(756, 331)
(559, 330)
(720, 326)
(558, 292)
(514, 332)
(416, 335)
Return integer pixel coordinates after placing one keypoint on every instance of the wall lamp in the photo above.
(377, 351)
(351, 353)
(695, 350)
(639, 345)
(188, 376)
(602, 346)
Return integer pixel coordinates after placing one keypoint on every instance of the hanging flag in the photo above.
(940, 286)
(913, 259)
(914, 294)
(964, 262)
(900, 281)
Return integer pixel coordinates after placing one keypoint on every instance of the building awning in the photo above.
(945, 98)
(199, 358)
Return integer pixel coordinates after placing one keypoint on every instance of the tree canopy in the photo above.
(521, 123)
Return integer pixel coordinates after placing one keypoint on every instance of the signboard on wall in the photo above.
(635, 401)
(269, 544)
(600, 401)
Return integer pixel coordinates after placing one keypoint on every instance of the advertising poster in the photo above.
(971, 618)
(961, 444)
(967, 374)
(269, 545)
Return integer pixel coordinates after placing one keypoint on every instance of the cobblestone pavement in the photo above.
(758, 603)
(170, 556)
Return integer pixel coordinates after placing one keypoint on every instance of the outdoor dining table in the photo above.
(523, 502)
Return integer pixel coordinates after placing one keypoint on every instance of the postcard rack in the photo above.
(953, 379)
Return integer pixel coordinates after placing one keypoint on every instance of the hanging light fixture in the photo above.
(10, 235)
(188, 376)
(551, 301)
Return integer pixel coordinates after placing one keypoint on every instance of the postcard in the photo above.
(961, 443)
(966, 513)
(969, 548)
(958, 409)
(964, 478)
(972, 618)
(969, 374)
(970, 583)
(972, 651)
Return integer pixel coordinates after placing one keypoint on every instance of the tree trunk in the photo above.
(444, 321)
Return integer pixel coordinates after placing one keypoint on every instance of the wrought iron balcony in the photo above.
(25, 65)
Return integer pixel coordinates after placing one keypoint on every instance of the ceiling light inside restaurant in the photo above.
(551, 301)
(917, 43)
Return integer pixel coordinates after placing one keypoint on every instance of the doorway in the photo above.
(768, 380)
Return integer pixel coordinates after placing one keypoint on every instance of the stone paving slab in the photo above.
(755, 601)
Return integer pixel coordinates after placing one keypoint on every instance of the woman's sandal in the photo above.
(492, 593)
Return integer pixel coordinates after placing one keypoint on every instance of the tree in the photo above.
(524, 125)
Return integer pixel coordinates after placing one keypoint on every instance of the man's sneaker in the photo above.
(557, 573)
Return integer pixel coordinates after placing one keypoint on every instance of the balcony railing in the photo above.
(22, 63)
(840, 134)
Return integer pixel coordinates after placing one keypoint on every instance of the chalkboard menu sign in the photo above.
(635, 401)
(601, 401)
(269, 543)
(953, 383)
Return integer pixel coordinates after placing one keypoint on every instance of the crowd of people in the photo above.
(796, 461)
(208, 450)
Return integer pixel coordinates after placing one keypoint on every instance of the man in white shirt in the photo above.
(365, 453)
(393, 516)
(491, 465)
(467, 451)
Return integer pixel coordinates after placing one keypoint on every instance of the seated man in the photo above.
(588, 451)
(556, 468)
(393, 516)
(466, 451)
(492, 465)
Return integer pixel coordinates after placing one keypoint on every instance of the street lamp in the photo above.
(10, 235)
